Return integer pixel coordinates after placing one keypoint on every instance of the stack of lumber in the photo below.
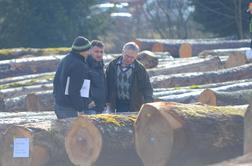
(188, 48)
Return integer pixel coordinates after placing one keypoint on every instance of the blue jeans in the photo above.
(65, 112)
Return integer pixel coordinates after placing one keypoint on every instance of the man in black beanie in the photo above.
(71, 83)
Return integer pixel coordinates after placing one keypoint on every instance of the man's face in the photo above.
(129, 56)
(97, 53)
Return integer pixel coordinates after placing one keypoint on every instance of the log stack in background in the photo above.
(188, 48)
(166, 133)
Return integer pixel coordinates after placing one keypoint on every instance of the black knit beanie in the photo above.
(81, 44)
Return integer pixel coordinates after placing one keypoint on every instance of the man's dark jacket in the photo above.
(98, 83)
(74, 67)
(140, 89)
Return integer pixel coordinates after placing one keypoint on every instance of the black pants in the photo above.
(122, 105)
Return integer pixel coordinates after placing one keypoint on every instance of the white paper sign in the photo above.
(84, 92)
(21, 147)
(67, 86)
(249, 54)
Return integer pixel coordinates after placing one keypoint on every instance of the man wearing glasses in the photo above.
(128, 83)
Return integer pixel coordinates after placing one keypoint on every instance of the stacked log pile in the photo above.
(188, 48)
(204, 130)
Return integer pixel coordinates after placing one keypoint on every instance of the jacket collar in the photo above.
(93, 63)
(78, 56)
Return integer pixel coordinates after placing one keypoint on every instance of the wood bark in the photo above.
(18, 53)
(25, 78)
(148, 59)
(248, 130)
(102, 140)
(188, 48)
(35, 102)
(17, 67)
(245, 160)
(224, 52)
(46, 143)
(188, 135)
(35, 65)
(219, 98)
(24, 90)
(20, 118)
(201, 65)
(223, 87)
(187, 79)
(235, 60)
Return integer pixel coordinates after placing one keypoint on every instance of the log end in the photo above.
(158, 47)
(83, 142)
(148, 59)
(8, 147)
(154, 134)
(236, 59)
(185, 50)
(207, 97)
(40, 156)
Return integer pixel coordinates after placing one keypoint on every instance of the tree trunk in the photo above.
(17, 67)
(188, 135)
(224, 52)
(248, 130)
(187, 79)
(18, 53)
(20, 91)
(223, 87)
(23, 79)
(201, 65)
(245, 160)
(35, 102)
(46, 144)
(21, 118)
(148, 59)
(188, 48)
(218, 98)
(102, 140)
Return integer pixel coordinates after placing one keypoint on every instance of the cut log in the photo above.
(46, 144)
(235, 60)
(245, 160)
(248, 130)
(148, 59)
(31, 77)
(39, 101)
(224, 52)
(17, 67)
(188, 135)
(15, 53)
(187, 79)
(201, 65)
(10, 119)
(24, 90)
(102, 140)
(211, 97)
(185, 50)
(189, 48)
(223, 87)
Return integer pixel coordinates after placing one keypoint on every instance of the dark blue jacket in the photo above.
(98, 83)
(74, 68)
